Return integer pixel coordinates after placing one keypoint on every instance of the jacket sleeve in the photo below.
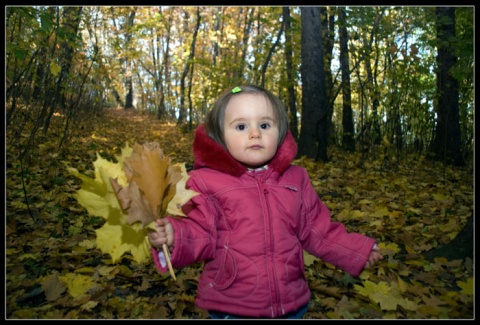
(194, 235)
(329, 240)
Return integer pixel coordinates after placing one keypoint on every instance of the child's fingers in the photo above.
(162, 222)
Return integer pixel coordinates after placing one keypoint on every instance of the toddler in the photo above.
(255, 215)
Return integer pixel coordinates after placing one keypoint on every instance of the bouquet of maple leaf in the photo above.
(130, 195)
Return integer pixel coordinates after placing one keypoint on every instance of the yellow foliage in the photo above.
(55, 69)
(85, 270)
(357, 214)
(409, 249)
(89, 305)
(308, 259)
(402, 285)
(116, 240)
(389, 248)
(130, 194)
(388, 297)
(380, 212)
(77, 284)
(182, 195)
(29, 256)
(467, 286)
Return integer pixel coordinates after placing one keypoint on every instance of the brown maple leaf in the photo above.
(134, 202)
(152, 183)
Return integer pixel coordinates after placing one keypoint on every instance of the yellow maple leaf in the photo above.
(99, 198)
(89, 305)
(369, 288)
(97, 195)
(467, 286)
(388, 297)
(349, 190)
(182, 195)
(402, 285)
(308, 259)
(389, 248)
(116, 240)
(357, 214)
(77, 284)
(380, 212)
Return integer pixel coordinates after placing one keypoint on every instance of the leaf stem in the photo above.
(167, 257)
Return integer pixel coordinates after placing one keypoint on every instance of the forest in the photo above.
(380, 103)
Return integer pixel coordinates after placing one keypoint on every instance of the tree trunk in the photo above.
(128, 63)
(314, 133)
(72, 20)
(269, 55)
(292, 105)
(181, 116)
(162, 109)
(247, 25)
(216, 51)
(458, 248)
(328, 34)
(447, 140)
(129, 87)
(372, 125)
(347, 116)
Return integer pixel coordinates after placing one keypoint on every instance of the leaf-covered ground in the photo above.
(54, 270)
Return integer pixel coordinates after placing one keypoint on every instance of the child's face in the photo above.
(250, 129)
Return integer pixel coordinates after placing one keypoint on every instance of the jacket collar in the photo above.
(208, 153)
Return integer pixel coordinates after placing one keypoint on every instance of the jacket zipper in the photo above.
(270, 247)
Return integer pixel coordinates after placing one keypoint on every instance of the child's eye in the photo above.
(264, 126)
(240, 127)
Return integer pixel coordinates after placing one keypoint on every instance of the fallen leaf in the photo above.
(78, 284)
(467, 286)
(53, 287)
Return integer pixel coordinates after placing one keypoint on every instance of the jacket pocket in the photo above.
(294, 276)
(230, 274)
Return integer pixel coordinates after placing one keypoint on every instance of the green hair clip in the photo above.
(236, 90)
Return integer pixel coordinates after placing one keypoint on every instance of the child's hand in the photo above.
(374, 257)
(163, 234)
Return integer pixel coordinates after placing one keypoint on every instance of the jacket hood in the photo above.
(208, 153)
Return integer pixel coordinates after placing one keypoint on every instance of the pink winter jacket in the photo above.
(251, 227)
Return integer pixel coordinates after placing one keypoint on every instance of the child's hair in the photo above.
(215, 117)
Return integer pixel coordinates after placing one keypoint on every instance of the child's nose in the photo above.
(254, 133)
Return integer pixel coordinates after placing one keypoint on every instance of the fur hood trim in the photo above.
(208, 153)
